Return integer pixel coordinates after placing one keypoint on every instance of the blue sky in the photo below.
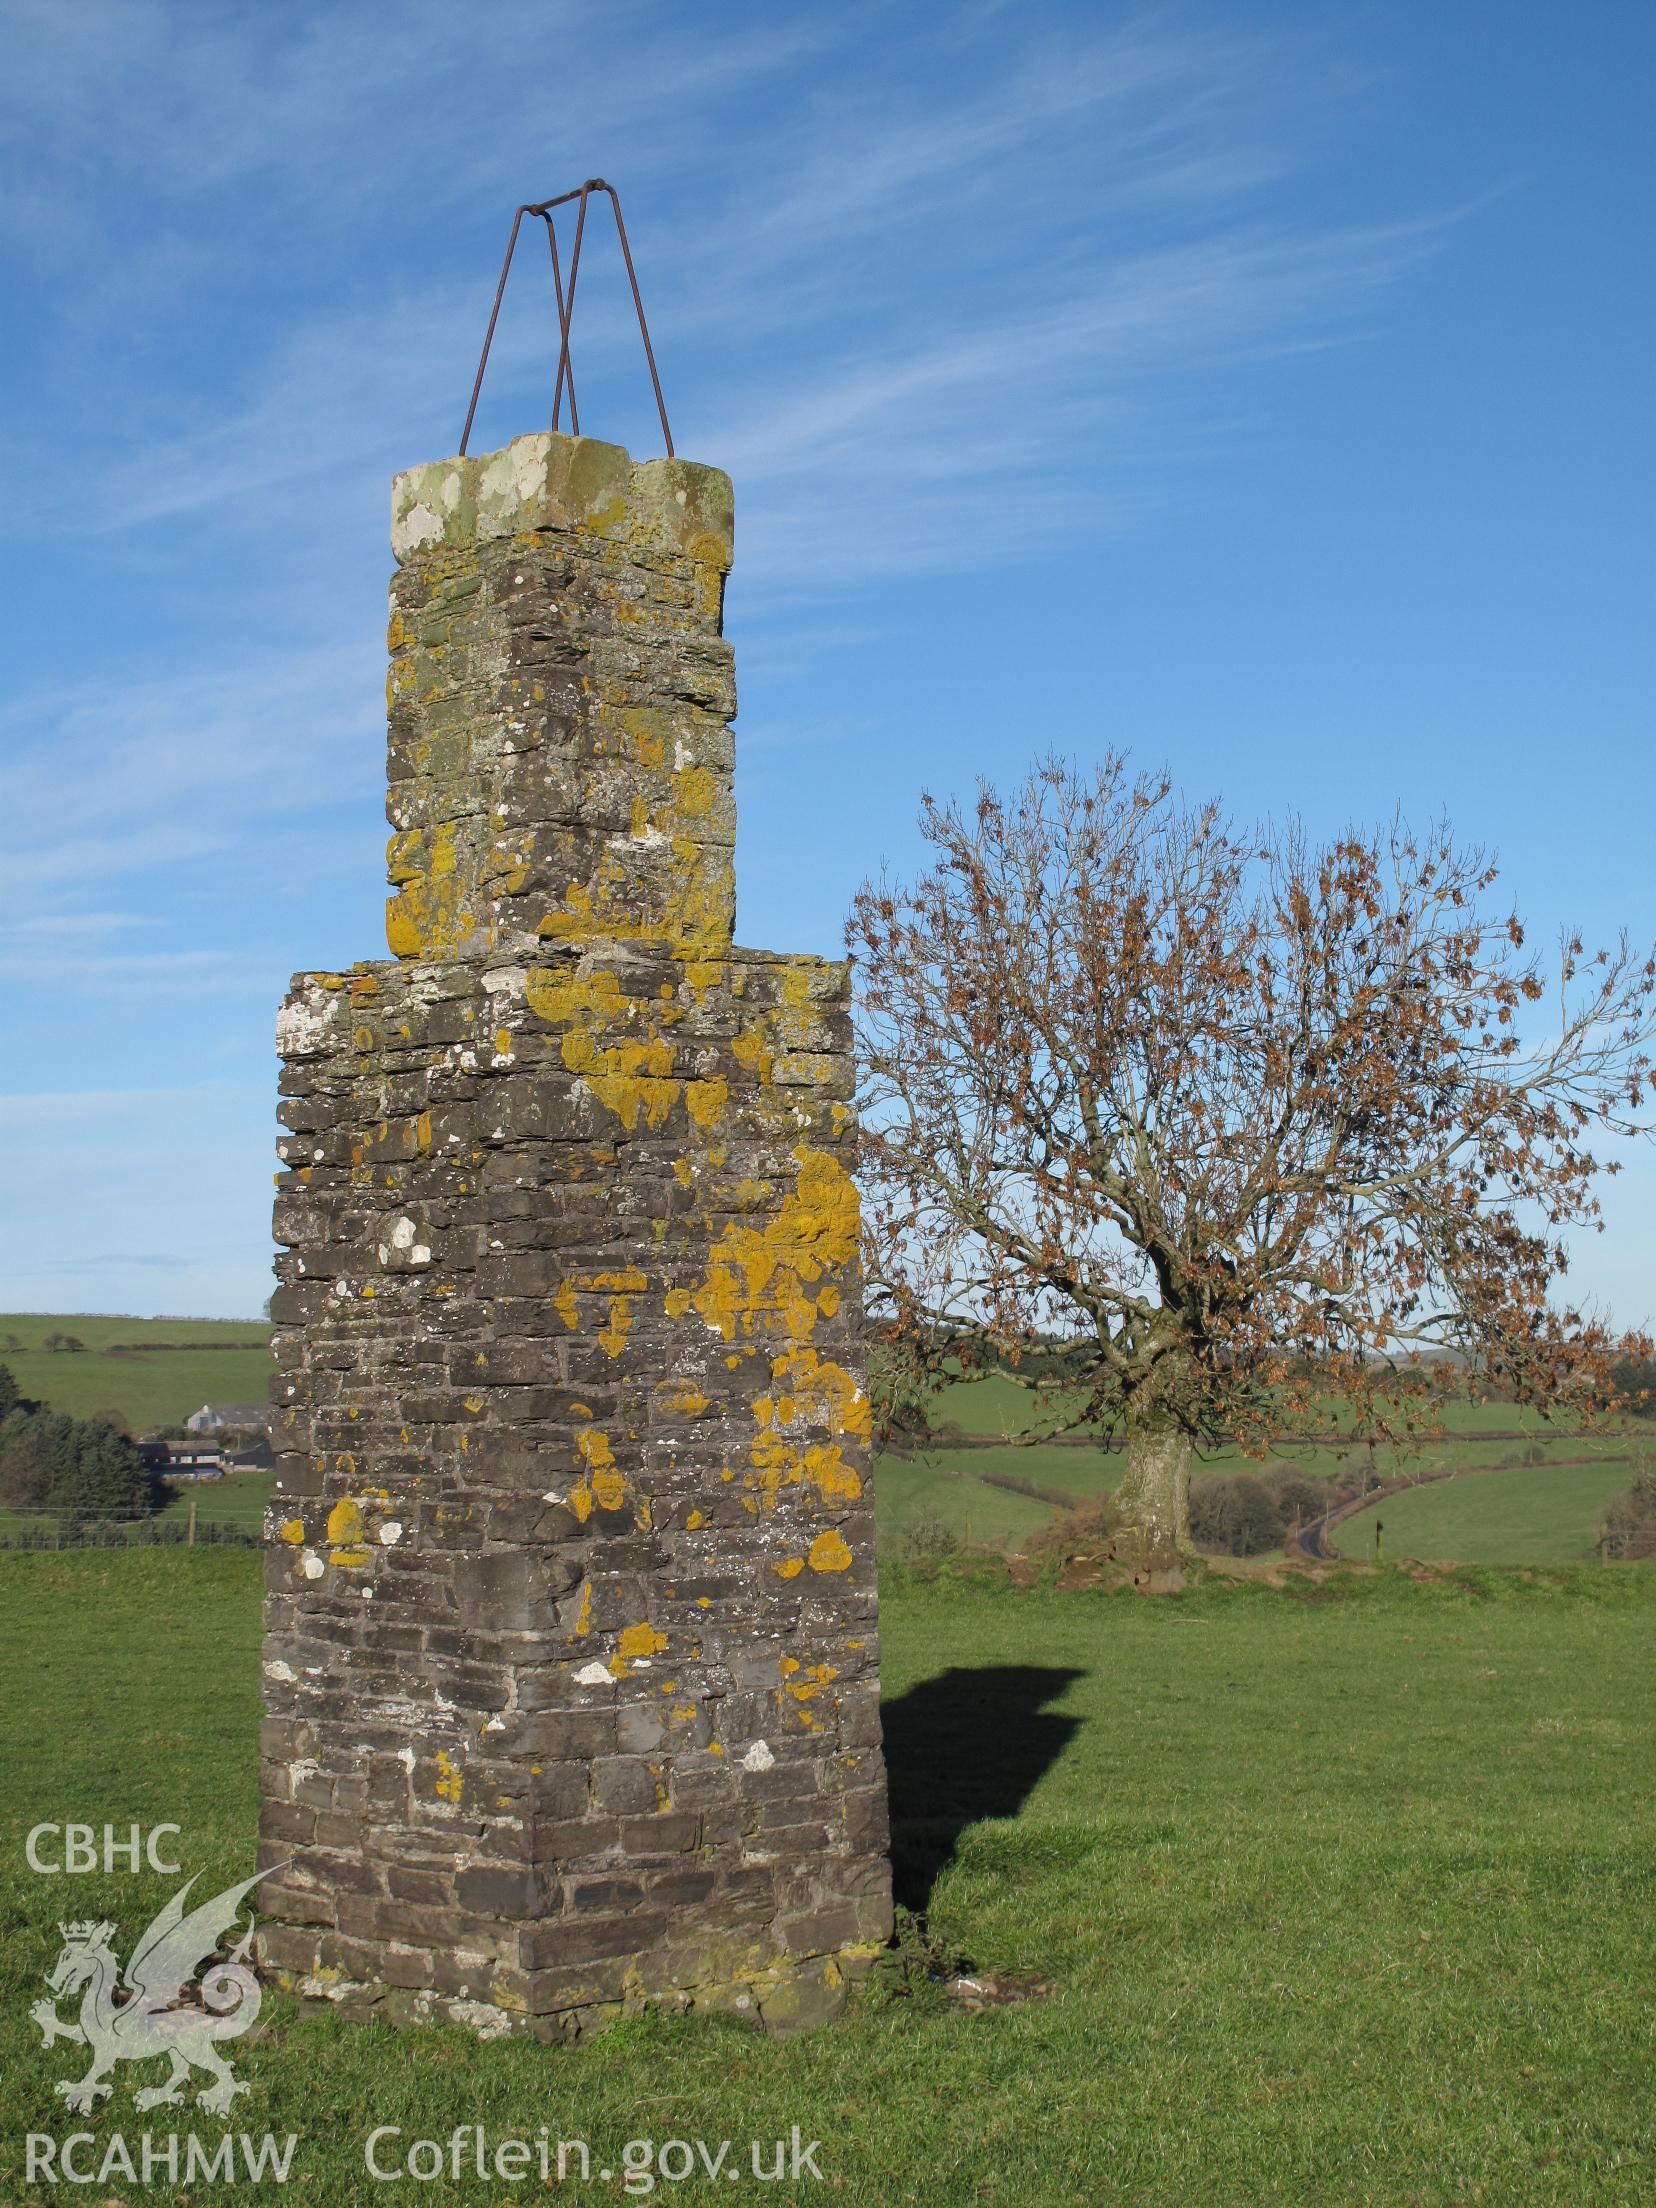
(1264, 390)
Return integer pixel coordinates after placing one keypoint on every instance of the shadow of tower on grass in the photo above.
(972, 1743)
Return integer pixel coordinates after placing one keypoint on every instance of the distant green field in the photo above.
(237, 1500)
(1539, 1514)
(947, 1485)
(156, 1386)
(950, 1486)
(909, 1495)
(999, 1406)
(1549, 1517)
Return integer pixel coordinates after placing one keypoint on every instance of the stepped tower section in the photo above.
(570, 1658)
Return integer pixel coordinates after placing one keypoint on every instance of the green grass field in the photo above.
(911, 1498)
(948, 1487)
(1536, 1514)
(237, 1500)
(156, 1386)
(1343, 1895)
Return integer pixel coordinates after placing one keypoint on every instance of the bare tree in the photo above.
(1187, 1128)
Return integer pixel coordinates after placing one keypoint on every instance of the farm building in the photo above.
(218, 1418)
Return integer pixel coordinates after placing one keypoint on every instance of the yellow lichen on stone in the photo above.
(346, 1530)
(564, 998)
(431, 915)
(703, 974)
(806, 1681)
(694, 912)
(605, 1484)
(506, 865)
(829, 1552)
(638, 1641)
(632, 1080)
(751, 1050)
(649, 731)
(696, 792)
(705, 1100)
(757, 1276)
(450, 1778)
(612, 1339)
(682, 1395)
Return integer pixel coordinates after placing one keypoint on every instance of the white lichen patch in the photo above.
(302, 1025)
(410, 532)
(487, 2022)
(402, 1246)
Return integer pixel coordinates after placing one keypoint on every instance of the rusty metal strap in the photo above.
(542, 210)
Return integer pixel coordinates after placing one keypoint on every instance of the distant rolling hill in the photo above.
(154, 1372)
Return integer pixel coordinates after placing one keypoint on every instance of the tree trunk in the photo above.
(1153, 1505)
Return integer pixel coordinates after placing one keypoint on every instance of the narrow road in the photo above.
(1310, 1539)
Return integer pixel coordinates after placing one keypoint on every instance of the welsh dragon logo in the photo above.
(141, 2014)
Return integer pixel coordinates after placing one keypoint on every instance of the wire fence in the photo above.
(154, 1533)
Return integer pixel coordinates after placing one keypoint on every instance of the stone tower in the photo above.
(570, 1659)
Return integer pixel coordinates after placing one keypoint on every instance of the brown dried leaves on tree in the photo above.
(1187, 1128)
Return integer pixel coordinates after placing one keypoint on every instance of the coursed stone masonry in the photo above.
(570, 1652)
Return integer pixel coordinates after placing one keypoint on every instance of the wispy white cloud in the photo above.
(1016, 314)
(992, 369)
(288, 96)
(221, 767)
(72, 926)
(108, 972)
(225, 804)
(1087, 414)
(102, 1263)
(171, 1184)
(941, 288)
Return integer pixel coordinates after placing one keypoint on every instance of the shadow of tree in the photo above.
(972, 1743)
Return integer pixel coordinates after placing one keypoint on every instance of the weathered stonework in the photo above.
(570, 1654)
